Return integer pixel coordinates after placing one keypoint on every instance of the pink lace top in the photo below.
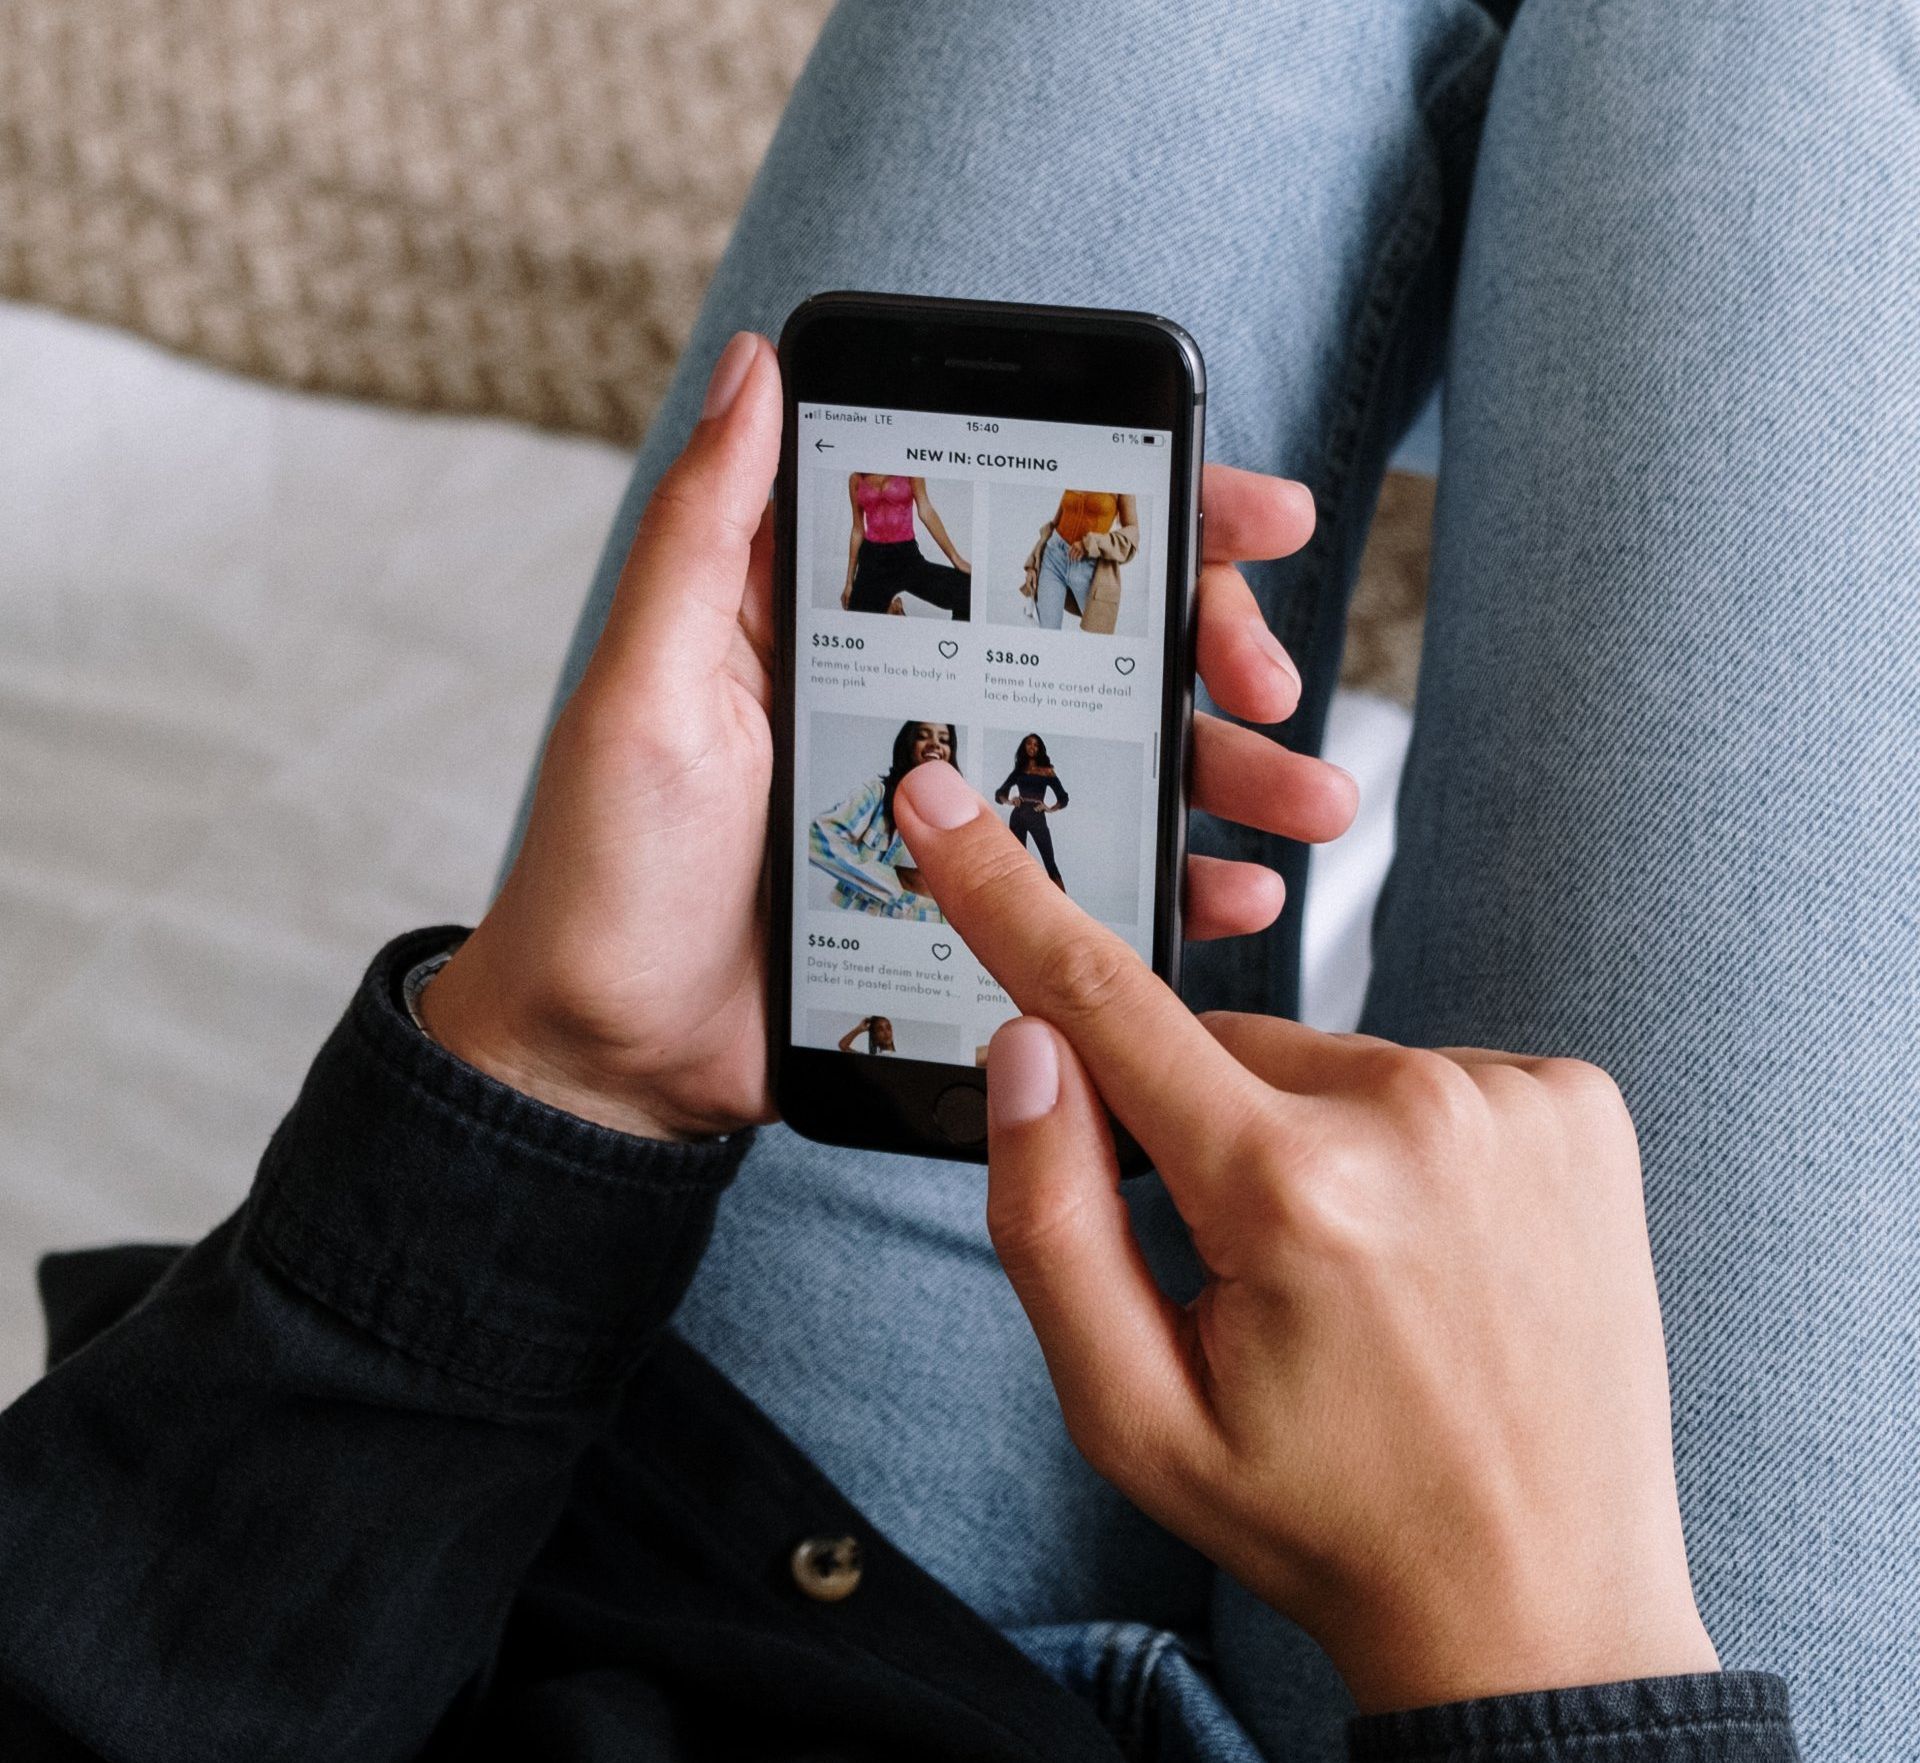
(886, 509)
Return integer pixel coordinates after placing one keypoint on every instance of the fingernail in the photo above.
(1277, 654)
(729, 375)
(1023, 1072)
(940, 795)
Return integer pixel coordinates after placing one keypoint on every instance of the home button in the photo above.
(962, 1114)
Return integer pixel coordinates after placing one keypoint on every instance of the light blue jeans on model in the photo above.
(1060, 575)
(1662, 801)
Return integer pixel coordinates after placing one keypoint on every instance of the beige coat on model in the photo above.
(1108, 550)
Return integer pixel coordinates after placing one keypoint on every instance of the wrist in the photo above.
(1560, 1641)
(468, 1009)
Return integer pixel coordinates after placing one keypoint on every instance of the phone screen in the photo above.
(992, 592)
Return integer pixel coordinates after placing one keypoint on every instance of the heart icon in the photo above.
(949, 648)
(942, 950)
(1123, 664)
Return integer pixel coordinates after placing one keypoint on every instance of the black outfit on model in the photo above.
(403, 1463)
(1026, 821)
(888, 567)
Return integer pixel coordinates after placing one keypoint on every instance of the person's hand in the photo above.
(621, 974)
(846, 596)
(1421, 1403)
(961, 564)
(1076, 551)
(1029, 587)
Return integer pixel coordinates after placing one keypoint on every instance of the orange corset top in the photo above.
(1083, 512)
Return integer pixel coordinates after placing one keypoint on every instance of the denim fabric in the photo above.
(1664, 753)
(1060, 575)
(1661, 806)
(1146, 1688)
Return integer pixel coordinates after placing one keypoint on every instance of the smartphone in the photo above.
(988, 537)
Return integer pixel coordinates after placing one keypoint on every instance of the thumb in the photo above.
(677, 607)
(1112, 1340)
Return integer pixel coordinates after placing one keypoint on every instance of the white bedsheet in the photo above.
(272, 668)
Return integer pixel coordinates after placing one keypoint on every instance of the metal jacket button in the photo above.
(826, 1568)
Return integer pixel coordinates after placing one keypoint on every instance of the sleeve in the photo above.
(1031, 568)
(1116, 545)
(1059, 791)
(1719, 1717)
(841, 842)
(1013, 777)
(294, 1490)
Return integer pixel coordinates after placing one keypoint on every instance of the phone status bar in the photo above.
(976, 443)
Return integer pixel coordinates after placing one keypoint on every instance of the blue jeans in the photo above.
(1661, 804)
(1060, 575)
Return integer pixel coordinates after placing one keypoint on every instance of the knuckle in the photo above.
(1329, 1211)
(1292, 1183)
(1026, 1233)
(1441, 1116)
(1277, 1206)
(1590, 1101)
(630, 735)
(1580, 1082)
(1429, 1088)
(1084, 974)
(1508, 1086)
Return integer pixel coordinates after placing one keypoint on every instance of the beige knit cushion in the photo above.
(506, 207)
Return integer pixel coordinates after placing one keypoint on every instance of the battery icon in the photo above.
(1150, 440)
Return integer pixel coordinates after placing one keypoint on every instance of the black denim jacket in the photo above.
(400, 1463)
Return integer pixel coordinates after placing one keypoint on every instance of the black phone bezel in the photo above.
(989, 359)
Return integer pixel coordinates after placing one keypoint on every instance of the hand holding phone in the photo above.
(621, 973)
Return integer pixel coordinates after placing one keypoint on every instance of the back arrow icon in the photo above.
(821, 446)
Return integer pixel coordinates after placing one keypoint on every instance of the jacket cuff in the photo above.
(504, 1242)
(1713, 1717)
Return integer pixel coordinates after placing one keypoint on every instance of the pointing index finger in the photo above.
(1168, 1080)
